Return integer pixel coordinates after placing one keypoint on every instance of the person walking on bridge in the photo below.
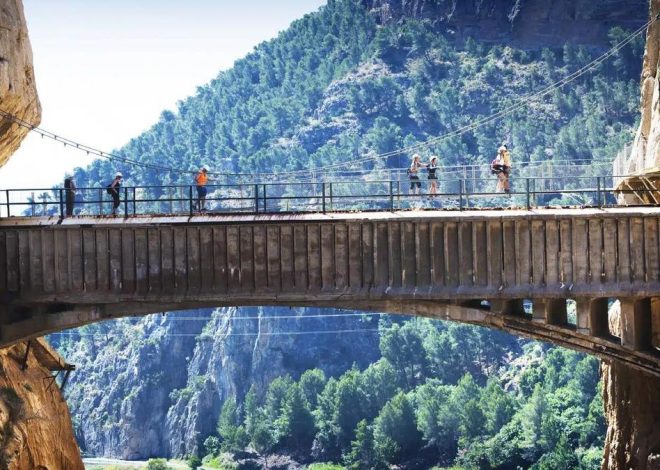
(69, 193)
(433, 177)
(413, 174)
(113, 190)
(201, 180)
(504, 157)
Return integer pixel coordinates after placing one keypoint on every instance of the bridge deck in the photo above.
(456, 264)
(384, 215)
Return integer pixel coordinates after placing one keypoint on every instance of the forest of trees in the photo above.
(436, 397)
(336, 86)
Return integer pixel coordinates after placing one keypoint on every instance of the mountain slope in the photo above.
(340, 83)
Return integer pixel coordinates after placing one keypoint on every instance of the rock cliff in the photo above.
(645, 154)
(35, 426)
(154, 386)
(632, 410)
(18, 92)
(527, 24)
(632, 407)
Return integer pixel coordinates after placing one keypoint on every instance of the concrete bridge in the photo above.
(479, 267)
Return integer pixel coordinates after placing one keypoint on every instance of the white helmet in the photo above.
(205, 168)
(118, 175)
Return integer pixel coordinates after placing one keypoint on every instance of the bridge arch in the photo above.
(473, 267)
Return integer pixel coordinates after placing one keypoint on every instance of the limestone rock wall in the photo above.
(645, 155)
(35, 426)
(632, 405)
(632, 410)
(18, 92)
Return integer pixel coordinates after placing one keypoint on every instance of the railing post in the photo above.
(460, 194)
(134, 199)
(8, 204)
(171, 198)
(190, 200)
(61, 196)
(125, 201)
(599, 195)
(256, 198)
(34, 201)
(331, 208)
(398, 193)
(323, 196)
(391, 195)
(466, 192)
(265, 200)
(100, 201)
(528, 203)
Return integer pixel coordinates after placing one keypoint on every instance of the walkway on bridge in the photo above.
(518, 270)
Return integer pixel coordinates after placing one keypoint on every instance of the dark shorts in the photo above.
(433, 177)
(415, 182)
(201, 191)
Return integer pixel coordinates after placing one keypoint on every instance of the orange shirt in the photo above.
(201, 179)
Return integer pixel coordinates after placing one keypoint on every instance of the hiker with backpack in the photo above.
(501, 167)
(200, 183)
(113, 190)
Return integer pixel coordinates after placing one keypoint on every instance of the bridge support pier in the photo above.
(636, 323)
(507, 307)
(592, 317)
(655, 322)
(550, 311)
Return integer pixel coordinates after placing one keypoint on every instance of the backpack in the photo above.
(109, 189)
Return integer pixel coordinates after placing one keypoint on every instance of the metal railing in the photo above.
(324, 196)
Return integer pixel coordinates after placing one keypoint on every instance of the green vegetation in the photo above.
(157, 464)
(335, 86)
(550, 415)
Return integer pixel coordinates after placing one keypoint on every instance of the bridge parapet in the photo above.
(60, 274)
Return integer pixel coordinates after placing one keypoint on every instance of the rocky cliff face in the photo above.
(18, 92)
(632, 407)
(545, 24)
(35, 426)
(632, 410)
(645, 154)
(154, 386)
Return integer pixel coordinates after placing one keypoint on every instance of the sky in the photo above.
(105, 70)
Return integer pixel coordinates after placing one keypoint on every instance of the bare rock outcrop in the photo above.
(645, 155)
(632, 408)
(528, 24)
(18, 92)
(35, 426)
(641, 166)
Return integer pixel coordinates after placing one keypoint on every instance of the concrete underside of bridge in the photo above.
(474, 267)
